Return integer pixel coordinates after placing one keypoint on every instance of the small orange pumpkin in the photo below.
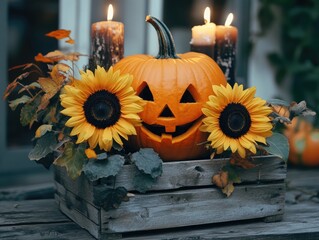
(175, 88)
(304, 143)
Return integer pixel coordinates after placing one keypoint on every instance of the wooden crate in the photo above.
(182, 197)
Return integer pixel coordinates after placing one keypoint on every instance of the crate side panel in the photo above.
(194, 207)
(75, 202)
(199, 173)
(78, 218)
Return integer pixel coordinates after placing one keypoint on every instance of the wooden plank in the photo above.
(48, 231)
(78, 217)
(199, 173)
(180, 174)
(73, 201)
(29, 212)
(194, 207)
(300, 222)
(36, 191)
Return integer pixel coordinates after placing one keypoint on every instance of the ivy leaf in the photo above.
(109, 198)
(14, 103)
(148, 161)
(28, 113)
(143, 182)
(233, 173)
(278, 145)
(44, 145)
(43, 129)
(73, 158)
(96, 169)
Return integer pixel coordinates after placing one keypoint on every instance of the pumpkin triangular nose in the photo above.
(166, 112)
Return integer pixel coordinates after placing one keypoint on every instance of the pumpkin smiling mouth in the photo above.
(159, 129)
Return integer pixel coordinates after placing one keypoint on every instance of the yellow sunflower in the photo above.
(102, 107)
(236, 119)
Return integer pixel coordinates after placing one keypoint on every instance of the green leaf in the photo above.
(233, 173)
(28, 114)
(143, 182)
(109, 198)
(44, 145)
(148, 161)
(96, 169)
(73, 158)
(14, 103)
(278, 145)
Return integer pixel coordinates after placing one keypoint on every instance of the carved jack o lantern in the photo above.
(175, 88)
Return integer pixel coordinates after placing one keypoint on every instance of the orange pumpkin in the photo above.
(175, 88)
(304, 143)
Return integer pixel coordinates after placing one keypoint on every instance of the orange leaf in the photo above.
(220, 179)
(57, 56)
(41, 58)
(70, 40)
(59, 34)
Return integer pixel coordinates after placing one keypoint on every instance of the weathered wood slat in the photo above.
(37, 191)
(48, 231)
(70, 200)
(181, 174)
(28, 212)
(301, 221)
(194, 207)
(82, 220)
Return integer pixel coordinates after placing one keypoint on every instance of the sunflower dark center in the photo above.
(234, 120)
(102, 109)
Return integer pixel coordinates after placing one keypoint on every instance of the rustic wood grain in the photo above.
(79, 218)
(194, 207)
(300, 222)
(181, 174)
(36, 191)
(25, 212)
(41, 219)
(47, 231)
(71, 201)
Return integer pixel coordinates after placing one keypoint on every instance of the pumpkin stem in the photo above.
(165, 39)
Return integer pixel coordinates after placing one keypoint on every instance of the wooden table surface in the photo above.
(31, 214)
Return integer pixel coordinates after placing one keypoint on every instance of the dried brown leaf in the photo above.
(236, 159)
(220, 179)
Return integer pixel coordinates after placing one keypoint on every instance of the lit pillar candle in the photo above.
(203, 36)
(225, 49)
(107, 42)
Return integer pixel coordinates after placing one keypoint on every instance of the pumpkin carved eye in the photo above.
(189, 96)
(146, 93)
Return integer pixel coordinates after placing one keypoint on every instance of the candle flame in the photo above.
(207, 15)
(229, 19)
(110, 13)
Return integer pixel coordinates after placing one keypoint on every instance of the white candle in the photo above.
(203, 36)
